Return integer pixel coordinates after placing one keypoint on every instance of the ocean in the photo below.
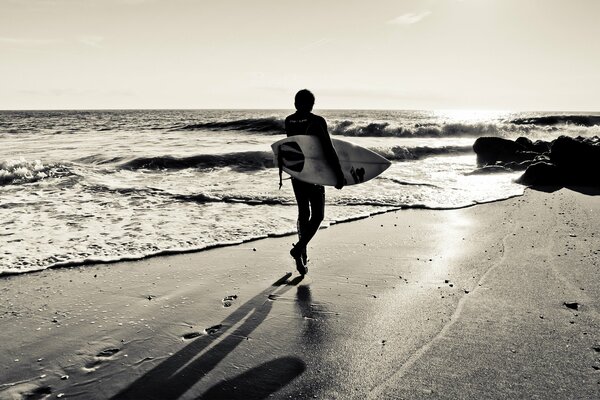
(96, 186)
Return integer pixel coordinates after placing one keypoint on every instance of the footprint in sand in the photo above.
(191, 335)
(27, 391)
(208, 331)
(213, 329)
(101, 356)
(108, 352)
(228, 300)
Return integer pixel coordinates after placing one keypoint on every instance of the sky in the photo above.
(538, 55)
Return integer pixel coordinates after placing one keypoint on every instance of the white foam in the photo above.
(21, 170)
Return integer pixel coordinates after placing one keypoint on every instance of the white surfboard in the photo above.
(302, 157)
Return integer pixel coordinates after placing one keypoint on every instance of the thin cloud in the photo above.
(70, 92)
(91, 40)
(26, 41)
(316, 44)
(410, 18)
(134, 2)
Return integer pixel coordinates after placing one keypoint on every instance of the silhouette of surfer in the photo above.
(310, 198)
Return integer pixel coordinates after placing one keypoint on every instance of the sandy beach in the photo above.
(498, 300)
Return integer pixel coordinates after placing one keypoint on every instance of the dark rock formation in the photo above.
(539, 146)
(492, 149)
(563, 162)
(541, 174)
(576, 154)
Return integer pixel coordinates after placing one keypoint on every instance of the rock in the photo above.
(525, 142)
(571, 161)
(578, 158)
(539, 146)
(541, 174)
(563, 162)
(492, 149)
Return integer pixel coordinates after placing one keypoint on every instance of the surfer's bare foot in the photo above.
(297, 254)
(302, 269)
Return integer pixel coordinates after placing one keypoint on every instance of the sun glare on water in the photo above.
(471, 115)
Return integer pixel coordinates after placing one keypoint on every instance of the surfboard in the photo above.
(302, 157)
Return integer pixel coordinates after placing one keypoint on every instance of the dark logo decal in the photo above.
(291, 156)
(358, 174)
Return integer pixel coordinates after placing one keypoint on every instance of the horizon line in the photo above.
(291, 109)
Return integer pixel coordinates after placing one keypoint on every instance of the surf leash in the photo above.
(280, 164)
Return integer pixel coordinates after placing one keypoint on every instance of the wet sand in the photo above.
(495, 301)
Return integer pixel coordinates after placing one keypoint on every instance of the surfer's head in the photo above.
(304, 100)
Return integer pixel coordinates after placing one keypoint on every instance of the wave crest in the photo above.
(552, 120)
(273, 125)
(401, 153)
(242, 161)
(385, 129)
(22, 171)
(264, 125)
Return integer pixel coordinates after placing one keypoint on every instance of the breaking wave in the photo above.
(552, 120)
(265, 125)
(401, 153)
(385, 129)
(242, 161)
(275, 126)
(257, 160)
(22, 171)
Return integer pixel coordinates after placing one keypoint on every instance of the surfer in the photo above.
(310, 198)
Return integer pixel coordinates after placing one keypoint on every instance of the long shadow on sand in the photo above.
(259, 382)
(177, 374)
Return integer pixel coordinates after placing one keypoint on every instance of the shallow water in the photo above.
(109, 185)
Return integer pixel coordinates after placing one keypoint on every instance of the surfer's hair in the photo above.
(304, 100)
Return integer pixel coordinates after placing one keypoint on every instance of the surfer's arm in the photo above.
(331, 154)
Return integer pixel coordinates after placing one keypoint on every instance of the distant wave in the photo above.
(406, 183)
(551, 120)
(206, 198)
(401, 153)
(257, 160)
(274, 125)
(22, 171)
(385, 129)
(201, 198)
(99, 159)
(265, 125)
(244, 161)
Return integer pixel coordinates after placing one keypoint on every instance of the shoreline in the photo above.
(170, 252)
(465, 303)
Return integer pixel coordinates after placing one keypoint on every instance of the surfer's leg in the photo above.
(316, 199)
(298, 252)
(302, 193)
